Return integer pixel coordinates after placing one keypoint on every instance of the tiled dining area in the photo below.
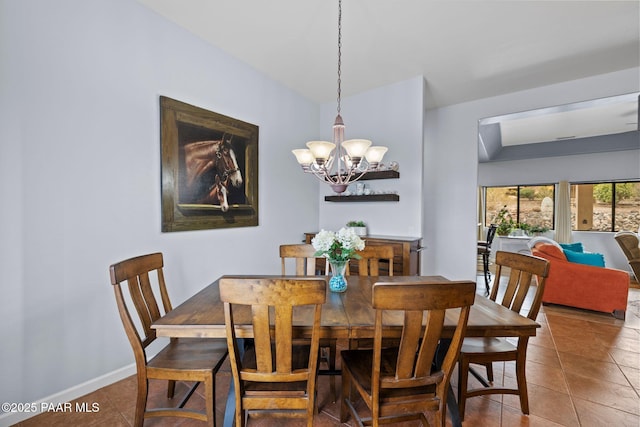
(583, 369)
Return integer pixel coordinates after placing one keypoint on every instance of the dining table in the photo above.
(346, 315)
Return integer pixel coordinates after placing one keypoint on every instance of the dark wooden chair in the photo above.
(369, 265)
(273, 375)
(303, 254)
(521, 269)
(484, 251)
(184, 359)
(369, 262)
(400, 383)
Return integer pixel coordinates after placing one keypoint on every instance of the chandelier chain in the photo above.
(339, 50)
(340, 163)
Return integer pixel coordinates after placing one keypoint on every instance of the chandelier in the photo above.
(340, 162)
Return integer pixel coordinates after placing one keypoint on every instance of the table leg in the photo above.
(452, 406)
(230, 408)
(452, 403)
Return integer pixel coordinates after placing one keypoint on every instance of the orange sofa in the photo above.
(583, 286)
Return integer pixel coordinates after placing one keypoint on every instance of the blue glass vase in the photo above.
(338, 283)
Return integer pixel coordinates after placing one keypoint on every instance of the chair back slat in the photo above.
(262, 337)
(430, 341)
(409, 342)
(369, 262)
(148, 301)
(141, 306)
(283, 323)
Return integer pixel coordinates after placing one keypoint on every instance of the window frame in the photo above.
(613, 184)
(487, 221)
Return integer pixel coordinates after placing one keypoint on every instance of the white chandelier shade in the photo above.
(321, 150)
(374, 155)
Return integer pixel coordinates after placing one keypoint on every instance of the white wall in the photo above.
(80, 178)
(390, 116)
(451, 168)
(80, 174)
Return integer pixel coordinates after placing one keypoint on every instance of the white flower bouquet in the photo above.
(340, 246)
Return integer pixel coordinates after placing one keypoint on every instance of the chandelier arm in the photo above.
(358, 176)
(322, 176)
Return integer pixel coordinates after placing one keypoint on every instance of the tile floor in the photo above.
(583, 369)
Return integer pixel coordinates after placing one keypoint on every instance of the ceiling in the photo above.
(464, 49)
(594, 126)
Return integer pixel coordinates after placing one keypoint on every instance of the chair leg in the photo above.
(487, 273)
(522, 381)
(141, 402)
(210, 396)
(312, 409)
(346, 394)
(489, 367)
(332, 368)
(463, 377)
(171, 388)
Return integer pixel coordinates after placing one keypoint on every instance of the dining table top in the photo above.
(344, 315)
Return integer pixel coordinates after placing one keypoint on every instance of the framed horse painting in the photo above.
(209, 169)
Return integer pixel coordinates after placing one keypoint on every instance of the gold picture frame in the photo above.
(209, 169)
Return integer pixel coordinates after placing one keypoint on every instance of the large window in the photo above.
(605, 206)
(530, 204)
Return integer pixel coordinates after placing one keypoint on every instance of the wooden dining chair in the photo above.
(305, 260)
(274, 375)
(521, 269)
(401, 383)
(369, 265)
(303, 254)
(370, 257)
(184, 359)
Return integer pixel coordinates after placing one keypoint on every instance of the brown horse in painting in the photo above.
(206, 157)
(217, 196)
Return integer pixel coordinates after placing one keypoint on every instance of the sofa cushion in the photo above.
(575, 247)
(541, 239)
(587, 258)
(551, 250)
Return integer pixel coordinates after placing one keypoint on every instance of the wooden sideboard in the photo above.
(406, 251)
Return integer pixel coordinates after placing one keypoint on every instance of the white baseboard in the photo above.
(10, 418)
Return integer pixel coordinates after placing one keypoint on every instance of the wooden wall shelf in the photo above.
(385, 174)
(368, 198)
